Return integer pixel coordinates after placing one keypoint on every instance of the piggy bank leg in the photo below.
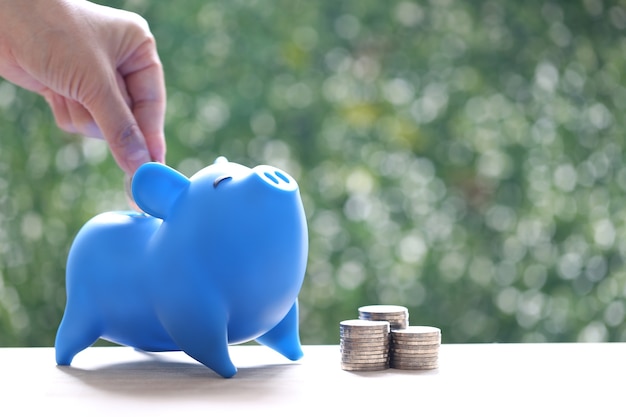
(205, 344)
(201, 333)
(284, 337)
(75, 334)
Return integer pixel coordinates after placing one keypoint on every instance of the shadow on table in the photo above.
(155, 377)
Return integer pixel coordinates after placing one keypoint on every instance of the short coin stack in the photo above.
(381, 338)
(415, 347)
(364, 345)
(397, 316)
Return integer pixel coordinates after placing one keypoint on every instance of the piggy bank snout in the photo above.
(275, 178)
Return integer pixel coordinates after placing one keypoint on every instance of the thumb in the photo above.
(120, 129)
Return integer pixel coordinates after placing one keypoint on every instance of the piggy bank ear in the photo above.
(156, 186)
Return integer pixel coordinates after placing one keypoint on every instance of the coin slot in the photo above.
(271, 177)
(220, 179)
(282, 176)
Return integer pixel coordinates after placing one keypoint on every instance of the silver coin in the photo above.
(377, 327)
(427, 344)
(383, 309)
(413, 362)
(432, 339)
(365, 341)
(129, 194)
(372, 353)
(364, 332)
(362, 323)
(414, 368)
(418, 331)
(402, 351)
(364, 355)
(364, 361)
(362, 367)
(404, 362)
(412, 356)
(354, 361)
(416, 356)
(352, 354)
(356, 357)
(363, 346)
(371, 340)
(345, 344)
(368, 326)
(409, 343)
(369, 350)
(403, 314)
(376, 340)
(383, 318)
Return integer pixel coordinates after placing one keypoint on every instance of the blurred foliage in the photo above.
(464, 159)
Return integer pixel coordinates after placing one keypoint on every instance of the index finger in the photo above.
(143, 74)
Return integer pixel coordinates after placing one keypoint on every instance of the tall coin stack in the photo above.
(364, 345)
(397, 316)
(415, 347)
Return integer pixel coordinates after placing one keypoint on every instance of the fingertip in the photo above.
(130, 149)
(157, 150)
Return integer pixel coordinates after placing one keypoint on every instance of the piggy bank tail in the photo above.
(284, 338)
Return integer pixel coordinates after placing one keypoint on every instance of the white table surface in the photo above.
(473, 379)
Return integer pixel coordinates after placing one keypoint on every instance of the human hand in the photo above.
(97, 67)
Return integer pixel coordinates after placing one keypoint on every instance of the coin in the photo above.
(365, 360)
(416, 338)
(413, 356)
(376, 329)
(362, 325)
(397, 316)
(365, 332)
(382, 309)
(369, 350)
(396, 350)
(418, 332)
(414, 359)
(410, 343)
(414, 367)
(376, 340)
(129, 194)
(362, 367)
(352, 358)
(361, 353)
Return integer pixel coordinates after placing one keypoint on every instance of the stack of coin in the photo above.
(415, 347)
(397, 316)
(364, 345)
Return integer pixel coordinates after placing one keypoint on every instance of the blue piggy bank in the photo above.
(217, 259)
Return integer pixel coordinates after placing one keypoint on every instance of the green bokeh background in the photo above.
(462, 158)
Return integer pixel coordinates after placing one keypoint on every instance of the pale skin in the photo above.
(97, 67)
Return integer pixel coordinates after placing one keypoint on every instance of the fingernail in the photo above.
(134, 148)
